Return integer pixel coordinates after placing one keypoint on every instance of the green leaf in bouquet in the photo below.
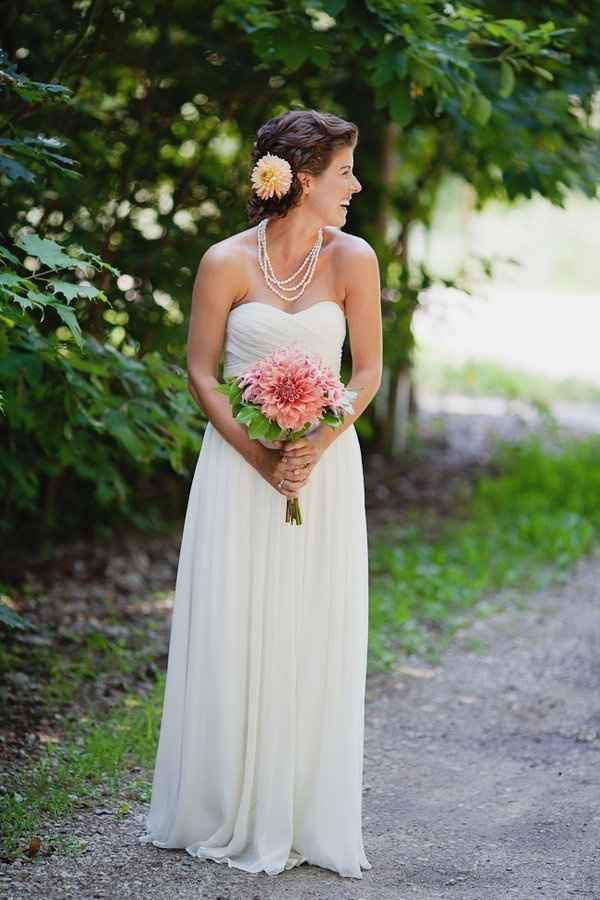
(300, 432)
(274, 432)
(259, 427)
(247, 414)
(331, 418)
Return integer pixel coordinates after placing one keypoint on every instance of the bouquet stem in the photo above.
(292, 511)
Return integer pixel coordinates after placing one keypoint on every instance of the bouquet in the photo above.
(284, 395)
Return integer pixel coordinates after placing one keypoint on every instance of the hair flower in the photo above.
(272, 175)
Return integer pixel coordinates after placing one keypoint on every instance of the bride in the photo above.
(260, 756)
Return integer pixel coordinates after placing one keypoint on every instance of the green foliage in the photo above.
(9, 618)
(402, 50)
(72, 404)
(160, 117)
(21, 292)
(529, 522)
(23, 155)
(95, 416)
(87, 751)
(250, 415)
(89, 765)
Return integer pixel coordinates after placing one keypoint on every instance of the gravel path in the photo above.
(482, 780)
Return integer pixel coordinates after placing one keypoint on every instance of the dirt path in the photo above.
(482, 780)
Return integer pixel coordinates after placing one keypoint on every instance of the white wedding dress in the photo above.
(260, 755)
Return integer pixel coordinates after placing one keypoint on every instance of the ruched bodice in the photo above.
(255, 329)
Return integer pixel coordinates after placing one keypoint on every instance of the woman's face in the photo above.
(327, 193)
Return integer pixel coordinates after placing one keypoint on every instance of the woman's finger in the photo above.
(298, 471)
(293, 445)
(307, 453)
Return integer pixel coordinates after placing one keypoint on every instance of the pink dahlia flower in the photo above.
(290, 387)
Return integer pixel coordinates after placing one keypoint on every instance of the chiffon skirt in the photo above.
(260, 755)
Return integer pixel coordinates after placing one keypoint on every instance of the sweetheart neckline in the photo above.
(283, 312)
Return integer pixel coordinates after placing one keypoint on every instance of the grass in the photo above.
(521, 527)
(483, 378)
(100, 746)
(93, 763)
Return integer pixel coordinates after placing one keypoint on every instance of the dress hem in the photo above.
(147, 839)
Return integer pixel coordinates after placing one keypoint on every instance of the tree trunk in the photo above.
(398, 402)
(392, 407)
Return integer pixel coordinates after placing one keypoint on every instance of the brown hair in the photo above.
(308, 139)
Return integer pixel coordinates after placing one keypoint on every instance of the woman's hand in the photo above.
(305, 452)
(292, 461)
(275, 468)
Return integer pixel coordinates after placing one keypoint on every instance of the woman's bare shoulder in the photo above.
(356, 267)
(227, 260)
(228, 249)
(350, 245)
(354, 260)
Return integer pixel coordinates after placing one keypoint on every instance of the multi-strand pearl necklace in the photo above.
(277, 285)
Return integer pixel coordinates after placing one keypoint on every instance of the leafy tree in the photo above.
(80, 416)
(499, 94)
(161, 115)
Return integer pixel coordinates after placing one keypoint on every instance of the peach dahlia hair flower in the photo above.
(272, 175)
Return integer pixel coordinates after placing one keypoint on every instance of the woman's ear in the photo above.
(305, 182)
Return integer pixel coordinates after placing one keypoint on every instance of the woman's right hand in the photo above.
(275, 468)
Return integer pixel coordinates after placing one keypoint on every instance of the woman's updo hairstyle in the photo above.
(307, 139)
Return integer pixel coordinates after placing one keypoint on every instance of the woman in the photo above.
(260, 756)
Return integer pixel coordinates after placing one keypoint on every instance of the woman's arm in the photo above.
(216, 286)
(360, 270)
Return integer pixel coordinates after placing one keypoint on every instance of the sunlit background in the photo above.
(537, 319)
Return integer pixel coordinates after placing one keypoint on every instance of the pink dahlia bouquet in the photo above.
(283, 396)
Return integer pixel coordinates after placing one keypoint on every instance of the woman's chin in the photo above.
(340, 219)
(336, 221)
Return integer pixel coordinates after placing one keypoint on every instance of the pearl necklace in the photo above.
(277, 285)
